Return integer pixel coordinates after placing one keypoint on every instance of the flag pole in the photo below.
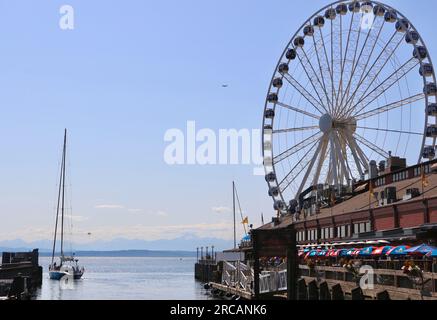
(235, 226)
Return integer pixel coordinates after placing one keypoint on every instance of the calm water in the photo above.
(127, 279)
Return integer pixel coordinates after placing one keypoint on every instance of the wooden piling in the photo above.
(357, 294)
(302, 290)
(325, 294)
(313, 291)
(337, 292)
(384, 295)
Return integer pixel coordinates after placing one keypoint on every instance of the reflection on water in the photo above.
(126, 279)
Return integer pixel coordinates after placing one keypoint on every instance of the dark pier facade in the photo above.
(20, 274)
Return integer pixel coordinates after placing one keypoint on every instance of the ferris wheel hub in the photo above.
(326, 123)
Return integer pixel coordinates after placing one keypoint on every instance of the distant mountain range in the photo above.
(186, 244)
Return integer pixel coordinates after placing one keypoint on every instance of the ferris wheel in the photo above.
(355, 84)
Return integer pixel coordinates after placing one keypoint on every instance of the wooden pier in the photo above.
(20, 274)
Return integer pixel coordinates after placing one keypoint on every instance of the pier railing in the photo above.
(238, 275)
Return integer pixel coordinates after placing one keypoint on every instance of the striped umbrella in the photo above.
(398, 251)
(381, 251)
(421, 250)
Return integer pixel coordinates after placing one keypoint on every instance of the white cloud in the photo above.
(109, 206)
(161, 214)
(221, 210)
(135, 210)
(79, 218)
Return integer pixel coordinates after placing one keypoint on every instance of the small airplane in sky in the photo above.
(225, 85)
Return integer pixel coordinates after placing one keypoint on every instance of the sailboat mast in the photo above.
(63, 194)
(235, 226)
(58, 207)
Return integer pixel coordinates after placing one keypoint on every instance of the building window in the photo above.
(400, 176)
(312, 235)
(380, 182)
(362, 227)
(343, 231)
(301, 236)
(327, 233)
(368, 227)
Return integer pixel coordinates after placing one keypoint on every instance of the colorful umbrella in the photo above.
(311, 254)
(398, 251)
(356, 253)
(342, 253)
(421, 250)
(334, 253)
(331, 252)
(322, 253)
(381, 251)
(366, 252)
(432, 254)
(351, 252)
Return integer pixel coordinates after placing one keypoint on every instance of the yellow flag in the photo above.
(425, 182)
(333, 199)
(245, 221)
(371, 193)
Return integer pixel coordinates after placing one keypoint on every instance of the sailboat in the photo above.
(67, 265)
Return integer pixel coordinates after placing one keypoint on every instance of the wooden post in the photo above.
(324, 291)
(337, 292)
(357, 294)
(302, 289)
(292, 267)
(291, 275)
(383, 295)
(313, 291)
(256, 267)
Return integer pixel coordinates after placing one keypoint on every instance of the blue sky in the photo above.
(128, 72)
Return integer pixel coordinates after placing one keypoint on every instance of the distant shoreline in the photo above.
(119, 253)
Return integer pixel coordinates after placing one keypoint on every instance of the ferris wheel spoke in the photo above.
(329, 66)
(355, 148)
(339, 45)
(321, 69)
(314, 79)
(365, 56)
(295, 129)
(299, 167)
(357, 61)
(286, 106)
(355, 36)
(392, 131)
(371, 146)
(298, 147)
(395, 77)
(375, 70)
(310, 168)
(341, 159)
(354, 152)
(322, 158)
(333, 161)
(304, 93)
(340, 85)
(390, 106)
